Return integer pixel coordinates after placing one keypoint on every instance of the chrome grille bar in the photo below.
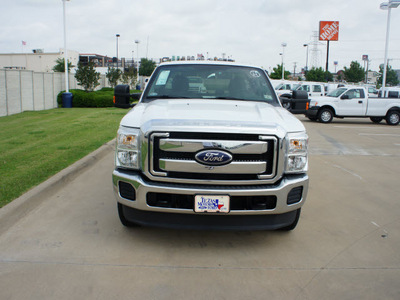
(256, 167)
(248, 147)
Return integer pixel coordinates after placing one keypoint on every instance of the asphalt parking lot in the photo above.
(71, 245)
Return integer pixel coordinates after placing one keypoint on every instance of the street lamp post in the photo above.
(66, 96)
(117, 36)
(306, 45)
(283, 54)
(387, 5)
(65, 49)
(137, 53)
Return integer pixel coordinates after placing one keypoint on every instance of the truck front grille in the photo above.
(172, 155)
(187, 201)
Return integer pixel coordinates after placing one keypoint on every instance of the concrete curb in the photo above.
(21, 206)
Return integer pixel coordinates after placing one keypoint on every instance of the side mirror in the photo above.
(300, 95)
(344, 97)
(122, 97)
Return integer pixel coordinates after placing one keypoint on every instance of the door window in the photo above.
(355, 93)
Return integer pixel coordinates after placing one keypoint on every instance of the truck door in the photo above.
(352, 103)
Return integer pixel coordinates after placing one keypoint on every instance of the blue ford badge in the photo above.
(213, 157)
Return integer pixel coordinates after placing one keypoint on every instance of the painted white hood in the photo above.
(212, 116)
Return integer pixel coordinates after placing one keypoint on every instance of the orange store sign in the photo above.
(329, 30)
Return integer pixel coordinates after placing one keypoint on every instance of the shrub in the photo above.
(87, 76)
(113, 75)
(106, 89)
(102, 98)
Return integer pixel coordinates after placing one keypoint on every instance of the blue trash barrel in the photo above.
(66, 100)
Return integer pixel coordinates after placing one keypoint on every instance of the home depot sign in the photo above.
(329, 30)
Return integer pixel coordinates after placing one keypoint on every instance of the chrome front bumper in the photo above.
(281, 190)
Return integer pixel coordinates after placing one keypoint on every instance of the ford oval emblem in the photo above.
(213, 157)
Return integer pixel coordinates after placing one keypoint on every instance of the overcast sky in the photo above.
(249, 31)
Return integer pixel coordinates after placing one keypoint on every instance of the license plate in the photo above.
(211, 203)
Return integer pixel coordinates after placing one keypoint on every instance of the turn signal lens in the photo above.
(297, 153)
(127, 154)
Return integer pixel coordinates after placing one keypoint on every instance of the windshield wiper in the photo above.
(227, 98)
(167, 97)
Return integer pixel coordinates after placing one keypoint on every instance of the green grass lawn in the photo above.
(36, 145)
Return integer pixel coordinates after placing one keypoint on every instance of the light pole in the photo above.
(137, 53)
(117, 36)
(387, 5)
(283, 54)
(305, 72)
(65, 49)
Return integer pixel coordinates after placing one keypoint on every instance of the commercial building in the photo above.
(37, 61)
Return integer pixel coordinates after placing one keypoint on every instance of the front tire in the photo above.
(376, 119)
(393, 117)
(286, 105)
(325, 115)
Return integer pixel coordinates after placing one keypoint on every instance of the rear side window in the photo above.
(316, 88)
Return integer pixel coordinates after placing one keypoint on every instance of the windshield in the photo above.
(302, 87)
(192, 81)
(286, 87)
(337, 92)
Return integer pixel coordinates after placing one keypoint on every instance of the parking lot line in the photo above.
(380, 134)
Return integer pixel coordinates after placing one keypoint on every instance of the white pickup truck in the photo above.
(223, 156)
(313, 89)
(354, 102)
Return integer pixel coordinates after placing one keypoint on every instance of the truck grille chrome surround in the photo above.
(172, 156)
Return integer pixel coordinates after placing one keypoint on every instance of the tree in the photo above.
(318, 74)
(277, 73)
(355, 73)
(147, 67)
(129, 77)
(113, 75)
(87, 76)
(391, 76)
(60, 65)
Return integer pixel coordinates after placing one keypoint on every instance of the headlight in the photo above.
(127, 152)
(297, 153)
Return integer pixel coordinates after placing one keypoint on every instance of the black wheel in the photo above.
(294, 224)
(376, 119)
(286, 105)
(325, 115)
(393, 117)
(122, 218)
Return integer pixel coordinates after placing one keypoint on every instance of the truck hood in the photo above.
(208, 115)
(322, 99)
